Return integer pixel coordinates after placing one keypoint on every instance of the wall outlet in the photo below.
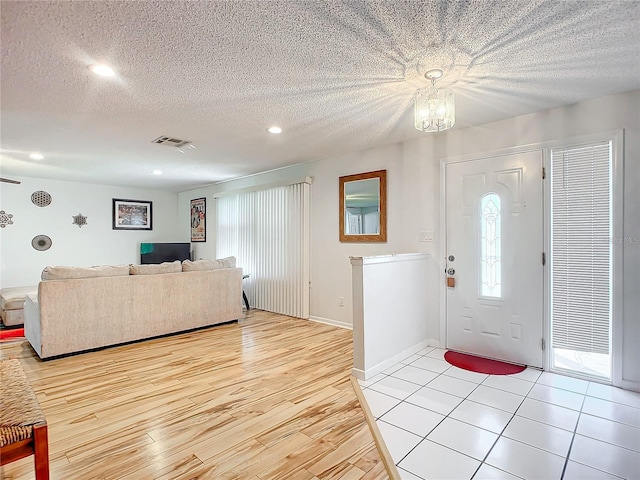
(426, 236)
(341, 301)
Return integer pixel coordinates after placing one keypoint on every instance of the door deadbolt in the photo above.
(451, 258)
(451, 271)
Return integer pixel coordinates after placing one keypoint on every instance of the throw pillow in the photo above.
(153, 269)
(64, 273)
(206, 264)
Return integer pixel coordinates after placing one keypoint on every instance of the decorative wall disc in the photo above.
(5, 219)
(79, 220)
(41, 198)
(41, 243)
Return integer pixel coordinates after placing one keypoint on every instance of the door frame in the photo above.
(617, 137)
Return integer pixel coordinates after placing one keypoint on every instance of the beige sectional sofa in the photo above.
(78, 309)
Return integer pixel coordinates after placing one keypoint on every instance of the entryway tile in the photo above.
(565, 383)
(556, 396)
(612, 411)
(426, 350)
(613, 394)
(577, 471)
(411, 359)
(509, 384)
(379, 403)
(437, 353)
(506, 401)
(464, 438)
(529, 374)
(466, 375)
(611, 432)
(439, 402)
(371, 381)
(399, 442)
(482, 416)
(604, 456)
(454, 386)
(415, 375)
(393, 368)
(539, 435)
(524, 460)
(430, 460)
(395, 387)
(415, 419)
(432, 364)
(548, 413)
(487, 472)
(404, 475)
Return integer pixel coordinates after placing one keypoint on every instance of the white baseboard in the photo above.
(329, 321)
(376, 369)
(434, 343)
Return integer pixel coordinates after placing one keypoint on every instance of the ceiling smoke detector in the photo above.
(171, 142)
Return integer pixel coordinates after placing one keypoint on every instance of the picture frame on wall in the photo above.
(132, 214)
(198, 220)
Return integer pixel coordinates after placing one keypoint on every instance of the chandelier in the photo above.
(434, 107)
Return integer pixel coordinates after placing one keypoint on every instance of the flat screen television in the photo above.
(164, 252)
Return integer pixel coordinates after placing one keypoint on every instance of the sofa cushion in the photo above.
(63, 273)
(152, 269)
(206, 264)
(12, 298)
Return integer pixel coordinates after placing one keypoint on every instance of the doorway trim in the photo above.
(617, 138)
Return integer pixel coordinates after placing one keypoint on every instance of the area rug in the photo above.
(11, 333)
(481, 365)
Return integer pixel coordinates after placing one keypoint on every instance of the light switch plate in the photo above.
(426, 236)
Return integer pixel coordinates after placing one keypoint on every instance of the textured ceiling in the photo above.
(337, 76)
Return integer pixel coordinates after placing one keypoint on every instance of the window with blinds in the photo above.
(268, 233)
(581, 256)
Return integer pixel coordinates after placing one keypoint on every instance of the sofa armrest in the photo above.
(32, 324)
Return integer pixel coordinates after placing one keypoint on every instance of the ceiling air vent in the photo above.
(171, 142)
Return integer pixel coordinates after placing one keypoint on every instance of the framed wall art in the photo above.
(132, 214)
(198, 220)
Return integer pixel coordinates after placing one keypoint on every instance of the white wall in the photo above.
(413, 171)
(330, 267)
(93, 244)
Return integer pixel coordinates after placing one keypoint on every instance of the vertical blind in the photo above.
(581, 260)
(268, 232)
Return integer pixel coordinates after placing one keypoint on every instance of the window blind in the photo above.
(268, 233)
(581, 272)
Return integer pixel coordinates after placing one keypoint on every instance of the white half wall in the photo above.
(93, 244)
(390, 310)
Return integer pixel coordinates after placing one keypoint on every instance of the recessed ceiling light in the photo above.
(274, 130)
(102, 69)
(36, 156)
(157, 172)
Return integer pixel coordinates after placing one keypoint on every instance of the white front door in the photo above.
(494, 246)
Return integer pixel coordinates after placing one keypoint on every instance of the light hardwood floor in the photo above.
(267, 398)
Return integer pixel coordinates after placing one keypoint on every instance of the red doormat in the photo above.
(11, 333)
(481, 365)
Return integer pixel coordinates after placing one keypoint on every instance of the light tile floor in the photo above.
(442, 422)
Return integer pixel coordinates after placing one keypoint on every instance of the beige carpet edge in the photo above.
(389, 464)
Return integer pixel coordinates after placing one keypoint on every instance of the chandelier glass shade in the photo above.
(435, 109)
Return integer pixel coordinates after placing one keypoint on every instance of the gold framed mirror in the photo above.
(363, 207)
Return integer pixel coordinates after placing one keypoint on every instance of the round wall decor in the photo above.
(41, 198)
(41, 243)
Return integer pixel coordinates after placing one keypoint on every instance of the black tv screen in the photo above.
(164, 252)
